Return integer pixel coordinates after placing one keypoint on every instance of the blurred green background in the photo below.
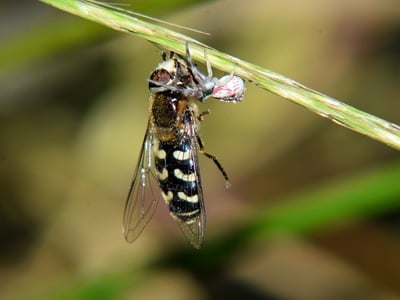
(313, 211)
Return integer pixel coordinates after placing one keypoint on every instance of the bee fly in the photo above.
(171, 143)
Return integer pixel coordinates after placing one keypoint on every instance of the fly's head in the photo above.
(163, 75)
(178, 75)
(171, 74)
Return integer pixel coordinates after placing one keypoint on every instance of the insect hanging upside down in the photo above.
(171, 143)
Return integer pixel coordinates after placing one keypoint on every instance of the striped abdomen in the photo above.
(178, 177)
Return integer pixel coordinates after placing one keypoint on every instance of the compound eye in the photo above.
(159, 78)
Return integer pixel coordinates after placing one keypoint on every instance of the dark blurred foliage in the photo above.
(313, 212)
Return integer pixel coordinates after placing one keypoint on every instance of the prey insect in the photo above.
(169, 154)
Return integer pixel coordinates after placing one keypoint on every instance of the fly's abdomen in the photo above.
(178, 178)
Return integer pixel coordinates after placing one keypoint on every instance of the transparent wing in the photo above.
(194, 228)
(142, 200)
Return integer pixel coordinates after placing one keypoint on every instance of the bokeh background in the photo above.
(313, 211)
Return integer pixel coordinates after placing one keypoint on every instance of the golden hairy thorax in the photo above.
(169, 115)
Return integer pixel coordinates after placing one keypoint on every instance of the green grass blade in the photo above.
(325, 106)
(346, 200)
(332, 205)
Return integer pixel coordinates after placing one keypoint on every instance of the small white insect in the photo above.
(229, 88)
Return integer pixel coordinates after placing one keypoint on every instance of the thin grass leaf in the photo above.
(331, 206)
(347, 200)
(325, 106)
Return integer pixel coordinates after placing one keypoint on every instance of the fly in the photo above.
(170, 146)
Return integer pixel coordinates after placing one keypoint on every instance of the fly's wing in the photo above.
(142, 201)
(194, 226)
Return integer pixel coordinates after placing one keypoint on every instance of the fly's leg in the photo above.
(214, 159)
(200, 117)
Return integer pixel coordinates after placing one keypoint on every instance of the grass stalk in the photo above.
(325, 106)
